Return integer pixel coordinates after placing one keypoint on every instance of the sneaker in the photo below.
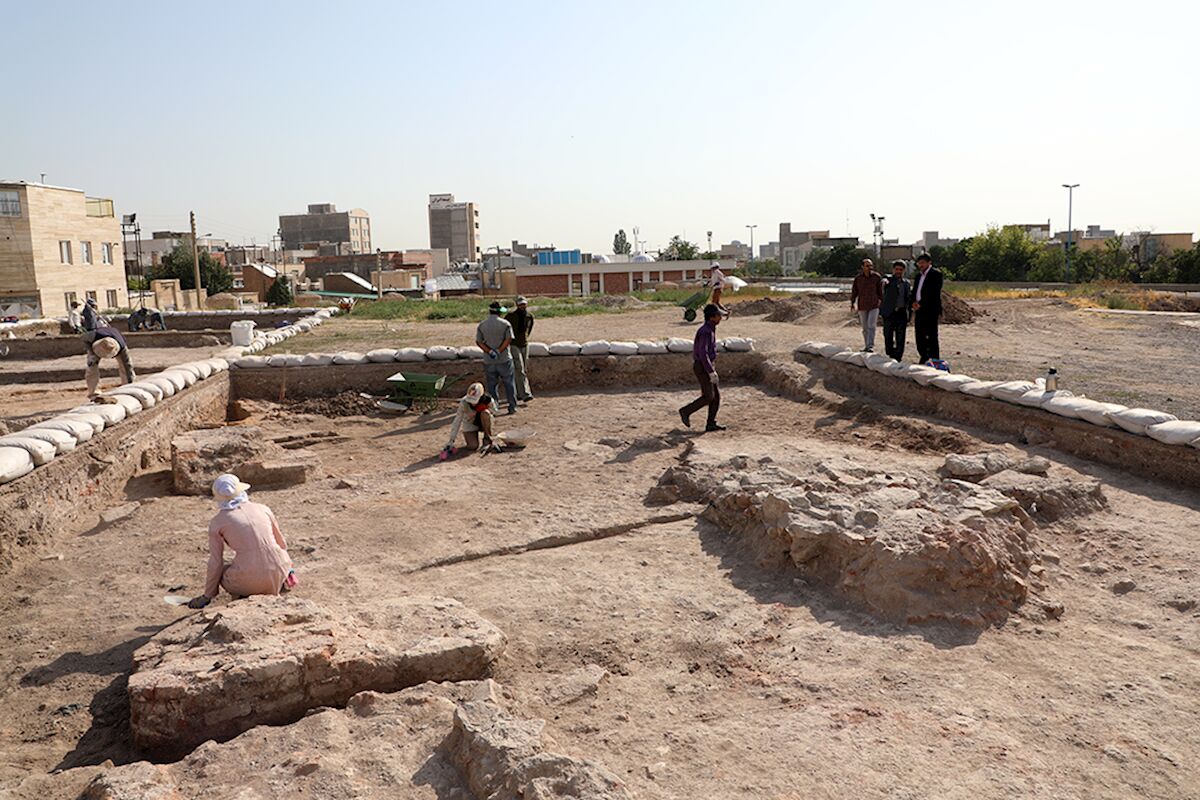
(512, 410)
(713, 426)
(868, 349)
(687, 421)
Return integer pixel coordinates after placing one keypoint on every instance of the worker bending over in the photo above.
(261, 564)
(475, 415)
(106, 342)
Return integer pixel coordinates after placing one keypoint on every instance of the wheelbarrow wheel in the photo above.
(689, 314)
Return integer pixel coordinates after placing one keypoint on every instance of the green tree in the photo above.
(1115, 261)
(178, 264)
(1049, 266)
(679, 249)
(764, 268)
(1185, 266)
(952, 259)
(842, 261)
(621, 245)
(280, 293)
(999, 254)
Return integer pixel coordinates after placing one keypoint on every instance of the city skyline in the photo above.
(674, 119)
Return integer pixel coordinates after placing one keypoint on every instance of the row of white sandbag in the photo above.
(442, 353)
(252, 312)
(1159, 425)
(23, 450)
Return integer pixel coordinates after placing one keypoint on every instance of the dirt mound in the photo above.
(343, 404)
(906, 548)
(1173, 302)
(268, 660)
(223, 300)
(790, 309)
(956, 311)
(615, 301)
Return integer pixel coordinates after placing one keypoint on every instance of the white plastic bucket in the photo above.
(242, 332)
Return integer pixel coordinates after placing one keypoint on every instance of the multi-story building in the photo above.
(735, 250)
(1037, 231)
(429, 263)
(57, 246)
(455, 227)
(324, 224)
(931, 239)
(160, 243)
(768, 251)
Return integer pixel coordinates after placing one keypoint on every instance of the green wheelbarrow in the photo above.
(693, 303)
(409, 389)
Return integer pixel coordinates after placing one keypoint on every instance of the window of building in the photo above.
(64, 252)
(70, 298)
(577, 287)
(85, 252)
(111, 297)
(594, 285)
(106, 253)
(90, 295)
(10, 204)
(637, 284)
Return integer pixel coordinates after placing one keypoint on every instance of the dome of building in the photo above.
(603, 259)
(642, 258)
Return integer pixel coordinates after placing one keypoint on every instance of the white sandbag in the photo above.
(218, 364)
(62, 441)
(410, 354)
(349, 357)
(1011, 391)
(651, 348)
(538, 349)
(201, 366)
(111, 413)
(721, 348)
(191, 369)
(14, 462)
(95, 420)
(738, 344)
(441, 353)
(1175, 431)
(1034, 398)
(1136, 420)
(829, 350)
(596, 347)
(564, 349)
(284, 360)
(519, 437)
(145, 398)
(951, 382)
(471, 351)
(677, 345)
(922, 375)
(76, 427)
(812, 348)
(382, 355)
(249, 362)
(855, 357)
(132, 405)
(148, 387)
(1098, 413)
(979, 388)
(316, 359)
(878, 362)
(623, 348)
(168, 388)
(174, 377)
(1064, 405)
(41, 451)
(179, 376)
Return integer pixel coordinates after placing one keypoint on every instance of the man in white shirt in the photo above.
(716, 282)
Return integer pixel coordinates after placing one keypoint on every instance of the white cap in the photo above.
(227, 487)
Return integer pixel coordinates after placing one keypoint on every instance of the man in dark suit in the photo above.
(897, 297)
(927, 307)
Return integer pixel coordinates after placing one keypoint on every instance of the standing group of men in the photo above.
(895, 302)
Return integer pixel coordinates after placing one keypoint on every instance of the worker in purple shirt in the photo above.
(704, 353)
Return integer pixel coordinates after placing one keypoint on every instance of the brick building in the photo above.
(57, 245)
(581, 280)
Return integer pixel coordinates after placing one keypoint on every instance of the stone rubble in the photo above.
(198, 457)
(268, 660)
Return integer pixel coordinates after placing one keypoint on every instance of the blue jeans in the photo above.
(496, 371)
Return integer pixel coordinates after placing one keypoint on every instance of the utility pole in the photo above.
(710, 241)
(751, 259)
(196, 260)
(378, 274)
(1070, 187)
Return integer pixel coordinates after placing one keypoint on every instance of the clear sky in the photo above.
(566, 120)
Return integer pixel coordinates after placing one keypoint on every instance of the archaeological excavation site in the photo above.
(878, 582)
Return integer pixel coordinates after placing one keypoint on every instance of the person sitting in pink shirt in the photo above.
(261, 564)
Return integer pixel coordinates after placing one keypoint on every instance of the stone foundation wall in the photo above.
(73, 488)
(72, 345)
(546, 374)
(1139, 455)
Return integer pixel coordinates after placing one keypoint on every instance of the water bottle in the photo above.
(1052, 380)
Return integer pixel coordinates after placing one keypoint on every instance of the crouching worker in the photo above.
(106, 342)
(474, 416)
(261, 564)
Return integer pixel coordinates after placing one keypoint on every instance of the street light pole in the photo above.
(1070, 187)
(751, 227)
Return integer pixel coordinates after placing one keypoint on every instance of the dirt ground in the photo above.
(1120, 358)
(724, 680)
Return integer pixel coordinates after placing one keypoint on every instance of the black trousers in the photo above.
(895, 329)
(710, 395)
(925, 331)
